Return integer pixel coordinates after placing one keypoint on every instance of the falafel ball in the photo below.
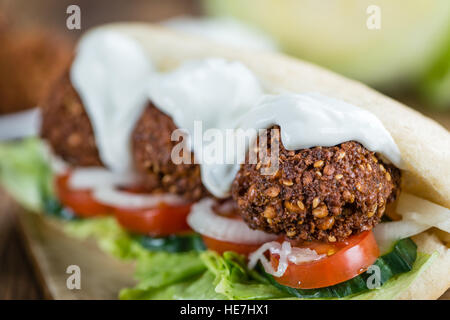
(66, 126)
(30, 61)
(152, 149)
(321, 193)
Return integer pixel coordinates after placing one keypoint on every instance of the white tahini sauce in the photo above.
(115, 78)
(20, 124)
(226, 95)
(215, 91)
(286, 254)
(312, 119)
(110, 74)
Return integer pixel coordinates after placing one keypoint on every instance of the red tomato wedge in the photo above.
(81, 202)
(221, 246)
(159, 221)
(345, 260)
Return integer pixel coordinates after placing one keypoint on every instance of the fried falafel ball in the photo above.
(66, 126)
(152, 150)
(3, 23)
(321, 193)
(30, 61)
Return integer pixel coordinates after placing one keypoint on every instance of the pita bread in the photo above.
(424, 144)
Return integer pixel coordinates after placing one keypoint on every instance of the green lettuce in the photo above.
(234, 280)
(25, 173)
(207, 276)
(227, 277)
(164, 275)
(160, 275)
(109, 235)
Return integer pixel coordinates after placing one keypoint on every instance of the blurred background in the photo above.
(401, 48)
(406, 57)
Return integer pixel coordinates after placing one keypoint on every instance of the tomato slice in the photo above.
(81, 202)
(163, 220)
(221, 246)
(345, 260)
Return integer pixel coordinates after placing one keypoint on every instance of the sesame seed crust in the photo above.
(66, 126)
(152, 149)
(333, 192)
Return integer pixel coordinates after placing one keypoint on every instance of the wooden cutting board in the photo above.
(52, 252)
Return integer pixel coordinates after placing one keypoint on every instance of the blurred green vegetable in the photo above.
(334, 34)
(24, 172)
(436, 85)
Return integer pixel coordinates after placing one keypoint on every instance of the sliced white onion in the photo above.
(20, 125)
(301, 255)
(57, 164)
(417, 214)
(387, 233)
(423, 211)
(203, 220)
(116, 198)
(287, 254)
(97, 177)
(226, 208)
(258, 255)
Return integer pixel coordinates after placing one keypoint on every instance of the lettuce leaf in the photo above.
(171, 276)
(227, 277)
(164, 275)
(24, 172)
(205, 277)
(201, 289)
(109, 235)
(158, 269)
(163, 293)
(235, 281)
(160, 275)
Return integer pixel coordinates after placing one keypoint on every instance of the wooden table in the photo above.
(17, 277)
(51, 252)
